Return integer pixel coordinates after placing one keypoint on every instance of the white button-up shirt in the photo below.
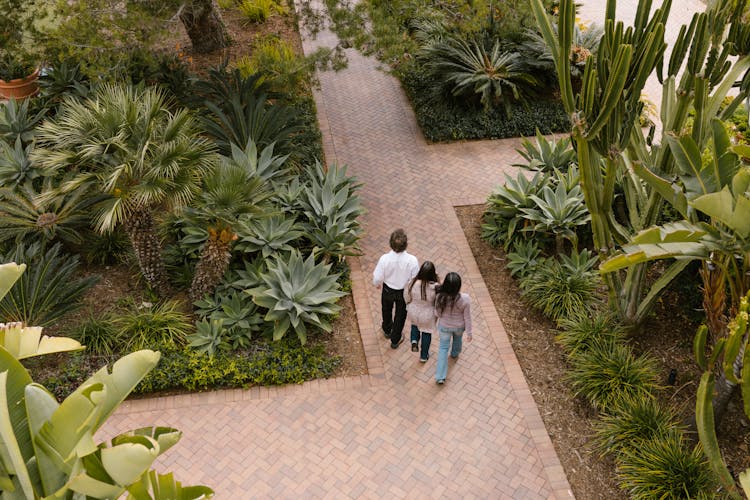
(395, 270)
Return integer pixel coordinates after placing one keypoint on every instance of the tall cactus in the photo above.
(604, 117)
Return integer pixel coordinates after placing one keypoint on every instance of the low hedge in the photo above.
(442, 121)
(184, 369)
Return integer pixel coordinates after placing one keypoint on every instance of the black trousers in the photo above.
(393, 324)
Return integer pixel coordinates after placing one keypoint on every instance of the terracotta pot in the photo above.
(20, 87)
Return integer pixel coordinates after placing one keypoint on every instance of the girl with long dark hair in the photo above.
(453, 310)
(420, 308)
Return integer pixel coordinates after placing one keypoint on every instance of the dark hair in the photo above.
(398, 240)
(426, 275)
(448, 292)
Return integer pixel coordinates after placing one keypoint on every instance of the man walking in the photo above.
(394, 271)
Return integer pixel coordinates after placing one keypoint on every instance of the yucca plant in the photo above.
(579, 332)
(546, 155)
(125, 142)
(298, 293)
(48, 290)
(268, 235)
(558, 211)
(331, 208)
(48, 216)
(467, 69)
(503, 215)
(667, 468)
(143, 325)
(557, 292)
(632, 422)
(524, 258)
(608, 372)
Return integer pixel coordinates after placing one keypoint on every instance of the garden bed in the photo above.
(569, 420)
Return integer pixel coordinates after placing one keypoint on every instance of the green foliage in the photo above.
(16, 167)
(228, 322)
(257, 11)
(45, 217)
(331, 208)
(48, 290)
(65, 79)
(268, 235)
(147, 325)
(503, 214)
(559, 292)
(185, 369)
(608, 373)
(666, 468)
(584, 44)
(106, 248)
(17, 121)
(580, 332)
(297, 293)
(524, 258)
(467, 69)
(632, 422)
(546, 155)
(99, 335)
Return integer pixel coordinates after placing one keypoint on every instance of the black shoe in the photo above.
(414, 347)
(395, 346)
(386, 334)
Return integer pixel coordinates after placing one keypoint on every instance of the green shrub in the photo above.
(99, 336)
(146, 325)
(665, 468)
(608, 373)
(257, 11)
(632, 422)
(441, 121)
(286, 72)
(107, 248)
(47, 290)
(559, 293)
(580, 332)
(297, 293)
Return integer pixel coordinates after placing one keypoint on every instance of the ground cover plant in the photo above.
(170, 221)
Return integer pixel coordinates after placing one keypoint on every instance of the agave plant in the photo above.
(126, 143)
(16, 166)
(298, 293)
(504, 206)
(558, 211)
(546, 156)
(524, 258)
(29, 216)
(17, 122)
(467, 69)
(239, 315)
(331, 207)
(268, 235)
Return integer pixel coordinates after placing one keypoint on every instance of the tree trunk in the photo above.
(204, 25)
(139, 227)
(213, 263)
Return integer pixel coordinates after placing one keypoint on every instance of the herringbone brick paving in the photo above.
(392, 433)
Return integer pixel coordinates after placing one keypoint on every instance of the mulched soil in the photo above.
(667, 336)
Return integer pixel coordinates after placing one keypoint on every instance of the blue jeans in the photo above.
(424, 348)
(446, 335)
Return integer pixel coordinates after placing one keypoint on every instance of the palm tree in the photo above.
(126, 143)
(240, 186)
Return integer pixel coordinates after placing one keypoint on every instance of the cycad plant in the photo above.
(48, 216)
(468, 69)
(298, 293)
(238, 186)
(126, 143)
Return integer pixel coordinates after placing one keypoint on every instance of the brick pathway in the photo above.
(392, 433)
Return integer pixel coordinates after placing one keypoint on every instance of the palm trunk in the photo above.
(204, 25)
(139, 227)
(213, 263)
